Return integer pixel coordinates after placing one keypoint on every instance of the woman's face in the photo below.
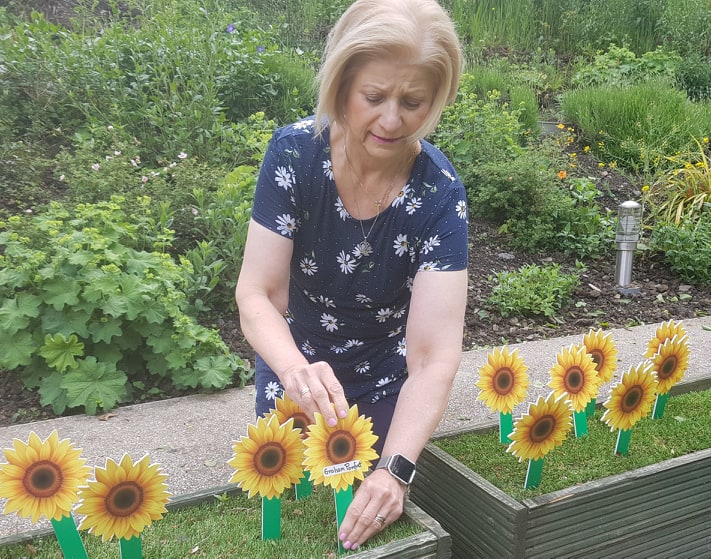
(388, 101)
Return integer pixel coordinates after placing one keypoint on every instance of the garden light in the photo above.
(628, 223)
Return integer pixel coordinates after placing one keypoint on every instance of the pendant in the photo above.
(365, 248)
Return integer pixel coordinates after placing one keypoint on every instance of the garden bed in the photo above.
(658, 510)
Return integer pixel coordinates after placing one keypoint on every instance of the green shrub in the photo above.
(686, 248)
(638, 125)
(94, 310)
(532, 290)
(694, 76)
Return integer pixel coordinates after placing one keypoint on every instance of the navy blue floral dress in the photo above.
(349, 300)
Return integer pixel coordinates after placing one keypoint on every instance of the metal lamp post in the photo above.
(626, 238)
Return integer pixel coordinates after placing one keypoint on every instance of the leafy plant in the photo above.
(532, 290)
(686, 248)
(685, 190)
(86, 313)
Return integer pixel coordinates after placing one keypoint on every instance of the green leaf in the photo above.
(60, 292)
(59, 352)
(68, 321)
(104, 329)
(16, 350)
(11, 318)
(214, 371)
(95, 385)
(52, 393)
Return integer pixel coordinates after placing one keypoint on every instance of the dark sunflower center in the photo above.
(503, 381)
(43, 479)
(542, 429)
(341, 447)
(124, 499)
(574, 380)
(631, 399)
(668, 367)
(270, 459)
(301, 421)
(598, 358)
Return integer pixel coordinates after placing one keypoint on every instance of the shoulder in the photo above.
(300, 134)
(437, 169)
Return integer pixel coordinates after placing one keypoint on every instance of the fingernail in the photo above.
(332, 422)
(347, 545)
(342, 536)
(355, 546)
(342, 414)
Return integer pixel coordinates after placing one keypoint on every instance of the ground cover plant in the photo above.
(683, 429)
(230, 526)
(177, 101)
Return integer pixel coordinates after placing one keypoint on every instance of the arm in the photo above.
(435, 327)
(262, 296)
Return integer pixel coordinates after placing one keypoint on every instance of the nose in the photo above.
(390, 117)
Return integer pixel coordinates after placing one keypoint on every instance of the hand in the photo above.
(378, 502)
(316, 389)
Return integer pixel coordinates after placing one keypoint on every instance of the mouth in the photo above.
(381, 140)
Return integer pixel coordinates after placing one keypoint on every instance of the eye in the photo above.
(412, 104)
(373, 99)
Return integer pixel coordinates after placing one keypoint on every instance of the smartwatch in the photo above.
(399, 467)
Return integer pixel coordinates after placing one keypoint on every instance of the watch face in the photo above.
(402, 468)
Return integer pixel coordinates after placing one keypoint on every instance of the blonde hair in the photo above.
(381, 30)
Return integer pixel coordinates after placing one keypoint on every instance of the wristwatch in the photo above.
(399, 467)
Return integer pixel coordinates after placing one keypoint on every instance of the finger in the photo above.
(360, 524)
(338, 397)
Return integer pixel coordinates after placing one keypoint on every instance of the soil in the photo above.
(656, 295)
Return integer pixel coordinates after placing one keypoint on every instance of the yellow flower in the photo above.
(287, 409)
(268, 460)
(503, 380)
(560, 126)
(575, 376)
(123, 499)
(632, 398)
(42, 478)
(665, 331)
(670, 362)
(542, 429)
(603, 352)
(350, 442)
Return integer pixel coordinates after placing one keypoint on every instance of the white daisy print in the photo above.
(413, 205)
(363, 367)
(347, 262)
(352, 343)
(284, 177)
(384, 314)
(395, 332)
(428, 267)
(362, 249)
(307, 348)
(447, 174)
(328, 169)
(289, 317)
(401, 196)
(400, 245)
(384, 381)
(272, 391)
(304, 124)
(341, 209)
(430, 244)
(363, 299)
(286, 225)
(402, 347)
(462, 209)
(329, 322)
(337, 349)
(400, 313)
(325, 301)
(308, 266)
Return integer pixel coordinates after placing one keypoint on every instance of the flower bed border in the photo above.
(661, 509)
(432, 543)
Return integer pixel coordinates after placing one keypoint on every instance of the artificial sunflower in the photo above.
(575, 376)
(632, 398)
(543, 428)
(670, 362)
(42, 478)
(665, 331)
(268, 460)
(503, 380)
(123, 499)
(287, 409)
(603, 351)
(338, 455)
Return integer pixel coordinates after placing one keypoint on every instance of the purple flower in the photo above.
(261, 49)
(231, 28)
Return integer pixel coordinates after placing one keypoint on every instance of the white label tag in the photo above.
(343, 468)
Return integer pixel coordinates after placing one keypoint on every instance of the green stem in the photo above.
(590, 408)
(659, 405)
(343, 501)
(533, 474)
(271, 518)
(580, 420)
(623, 442)
(131, 548)
(303, 488)
(505, 427)
(68, 537)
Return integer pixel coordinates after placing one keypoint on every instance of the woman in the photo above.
(353, 285)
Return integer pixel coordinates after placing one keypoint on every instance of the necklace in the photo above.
(364, 247)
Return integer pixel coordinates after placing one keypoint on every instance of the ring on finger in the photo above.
(305, 391)
(380, 520)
